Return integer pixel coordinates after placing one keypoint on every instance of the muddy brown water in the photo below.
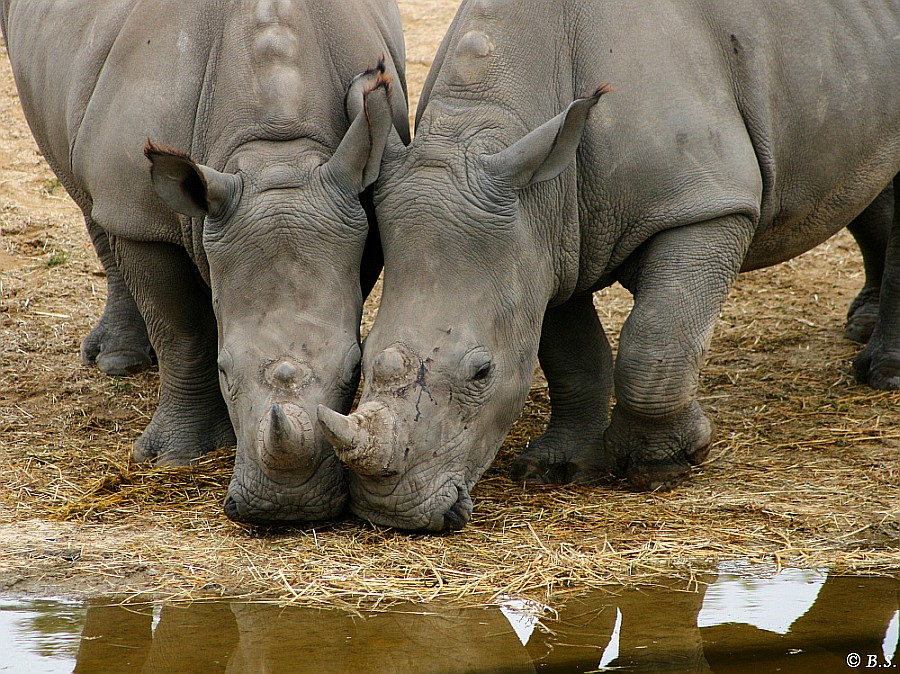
(792, 621)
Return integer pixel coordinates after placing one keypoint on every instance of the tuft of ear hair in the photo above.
(151, 148)
(371, 80)
(382, 78)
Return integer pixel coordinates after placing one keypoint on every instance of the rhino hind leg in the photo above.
(878, 364)
(191, 417)
(871, 230)
(118, 344)
(577, 361)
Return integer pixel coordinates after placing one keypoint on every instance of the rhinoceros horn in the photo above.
(286, 438)
(364, 440)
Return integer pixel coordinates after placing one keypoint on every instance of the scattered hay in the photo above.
(804, 473)
(806, 503)
(130, 489)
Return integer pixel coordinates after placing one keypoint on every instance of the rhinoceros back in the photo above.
(206, 77)
(783, 111)
(55, 76)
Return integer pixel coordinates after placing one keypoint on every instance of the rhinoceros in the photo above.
(740, 134)
(244, 244)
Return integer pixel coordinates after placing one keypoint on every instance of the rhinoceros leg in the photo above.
(680, 279)
(191, 417)
(577, 361)
(871, 230)
(118, 344)
(878, 365)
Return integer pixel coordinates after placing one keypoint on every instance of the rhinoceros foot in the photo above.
(664, 475)
(558, 458)
(178, 439)
(878, 367)
(117, 351)
(657, 454)
(862, 315)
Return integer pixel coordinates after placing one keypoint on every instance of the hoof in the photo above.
(664, 476)
(535, 471)
(118, 348)
(139, 455)
(152, 448)
(862, 316)
(124, 363)
(885, 378)
(860, 325)
(882, 374)
(575, 471)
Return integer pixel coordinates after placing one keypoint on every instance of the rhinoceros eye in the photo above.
(477, 366)
(226, 369)
(483, 372)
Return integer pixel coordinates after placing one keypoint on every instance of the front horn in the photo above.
(287, 437)
(364, 441)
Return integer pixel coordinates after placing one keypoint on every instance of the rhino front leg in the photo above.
(680, 279)
(191, 417)
(878, 365)
(871, 230)
(577, 361)
(118, 345)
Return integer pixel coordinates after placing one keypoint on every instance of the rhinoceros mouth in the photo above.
(449, 509)
(281, 509)
(258, 496)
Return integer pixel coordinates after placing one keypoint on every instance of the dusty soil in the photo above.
(805, 471)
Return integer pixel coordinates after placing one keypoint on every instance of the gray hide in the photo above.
(244, 252)
(740, 134)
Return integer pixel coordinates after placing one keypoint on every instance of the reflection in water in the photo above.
(39, 637)
(797, 621)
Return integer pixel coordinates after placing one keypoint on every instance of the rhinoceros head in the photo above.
(451, 356)
(284, 233)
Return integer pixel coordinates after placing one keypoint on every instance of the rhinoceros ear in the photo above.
(365, 82)
(187, 187)
(357, 160)
(548, 150)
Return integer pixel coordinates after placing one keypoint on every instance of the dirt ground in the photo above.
(805, 471)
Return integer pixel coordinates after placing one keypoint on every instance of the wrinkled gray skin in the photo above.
(245, 258)
(739, 135)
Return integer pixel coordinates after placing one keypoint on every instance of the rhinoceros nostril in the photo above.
(284, 372)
